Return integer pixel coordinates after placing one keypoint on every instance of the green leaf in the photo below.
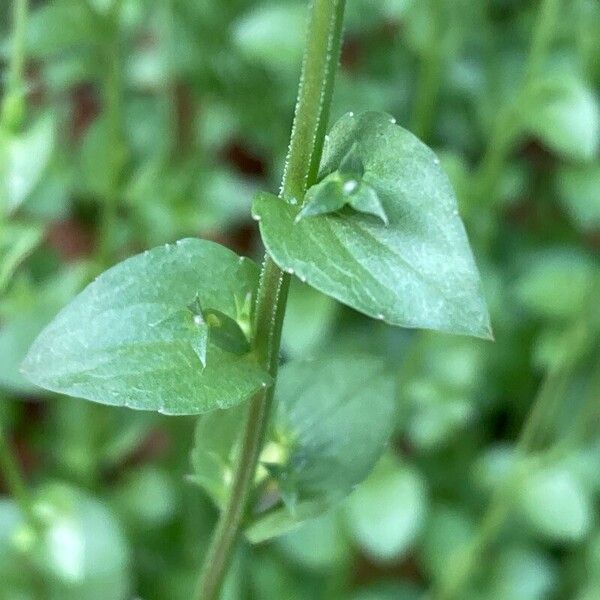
(78, 550)
(334, 416)
(557, 505)
(131, 339)
(226, 332)
(302, 336)
(418, 271)
(522, 573)
(564, 114)
(448, 533)
(23, 159)
(213, 453)
(343, 187)
(557, 282)
(34, 309)
(386, 512)
(272, 34)
(333, 420)
(579, 191)
(17, 241)
(318, 544)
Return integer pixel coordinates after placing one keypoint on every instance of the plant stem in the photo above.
(543, 409)
(113, 114)
(508, 122)
(428, 81)
(319, 66)
(547, 19)
(13, 477)
(13, 109)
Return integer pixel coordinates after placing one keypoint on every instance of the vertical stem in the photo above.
(508, 121)
(428, 81)
(113, 112)
(13, 109)
(319, 65)
(542, 38)
(543, 409)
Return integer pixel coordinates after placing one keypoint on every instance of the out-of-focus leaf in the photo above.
(271, 576)
(521, 573)
(556, 504)
(495, 466)
(147, 497)
(60, 25)
(388, 591)
(272, 34)
(557, 283)
(99, 157)
(439, 413)
(448, 532)
(333, 420)
(23, 159)
(386, 513)
(564, 114)
(317, 544)
(79, 550)
(281, 521)
(213, 451)
(20, 327)
(17, 241)
(82, 551)
(579, 189)
(302, 336)
(417, 271)
(132, 339)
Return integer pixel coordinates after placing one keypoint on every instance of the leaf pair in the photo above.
(168, 330)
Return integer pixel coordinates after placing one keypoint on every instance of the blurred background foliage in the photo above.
(131, 123)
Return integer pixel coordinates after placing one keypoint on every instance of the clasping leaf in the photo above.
(138, 336)
(410, 267)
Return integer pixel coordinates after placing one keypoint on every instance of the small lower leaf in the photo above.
(333, 420)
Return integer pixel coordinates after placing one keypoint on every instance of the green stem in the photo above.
(547, 20)
(429, 78)
(508, 122)
(536, 425)
(13, 108)
(319, 66)
(13, 478)
(113, 114)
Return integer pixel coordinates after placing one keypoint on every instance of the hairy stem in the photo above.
(319, 65)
